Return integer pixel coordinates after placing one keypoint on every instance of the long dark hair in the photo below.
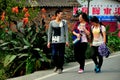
(85, 16)
(96, 20)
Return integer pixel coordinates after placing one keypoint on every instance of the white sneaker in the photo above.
(55, 69)
(81, 71)
(59, 71)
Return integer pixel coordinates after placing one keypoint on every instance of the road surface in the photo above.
(110, 71)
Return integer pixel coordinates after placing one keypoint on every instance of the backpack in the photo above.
(100, 33)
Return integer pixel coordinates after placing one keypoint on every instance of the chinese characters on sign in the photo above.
(101, 9)
(106, 11)
(117, 11)
(84, 9)
(75, 10)
(96, 10)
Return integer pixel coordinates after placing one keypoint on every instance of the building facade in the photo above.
(48, 8)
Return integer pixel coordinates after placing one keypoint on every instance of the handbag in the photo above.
(104, 50)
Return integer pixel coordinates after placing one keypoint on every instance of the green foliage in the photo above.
(69, 53)
(7, 5)
(23, 50)
(113, 39)
(89, 52)
(2, 74)
(114, 43)
(30, 64)
(9, 59)
(24, 46)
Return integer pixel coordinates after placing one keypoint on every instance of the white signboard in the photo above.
(106, 11)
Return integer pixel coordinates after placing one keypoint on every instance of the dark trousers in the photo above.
(58, 51)
(98, 59)
(79, 52)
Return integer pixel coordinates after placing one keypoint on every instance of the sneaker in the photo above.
(81, 71)
(98, 70)
(55, 69)
(96, 66)
(59, 71)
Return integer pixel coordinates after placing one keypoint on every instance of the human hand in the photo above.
(48, 45)
(67, 44)
(90, 44)
(78, 36)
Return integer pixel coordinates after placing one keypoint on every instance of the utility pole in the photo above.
(88, 6)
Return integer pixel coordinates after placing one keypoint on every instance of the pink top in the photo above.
(77, 26)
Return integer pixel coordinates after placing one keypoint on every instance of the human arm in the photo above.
(87, 29)
(49, 34)
(75, 31)
(104, 34)
(76, 34)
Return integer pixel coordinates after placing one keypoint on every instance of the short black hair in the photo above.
(94, 19)
(58, 11)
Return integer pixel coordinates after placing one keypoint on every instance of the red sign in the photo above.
(101, 10)
(107, 11)
(85, 9)
(117, 11)
(95, 10)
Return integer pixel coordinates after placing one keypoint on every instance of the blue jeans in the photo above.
(58, 51)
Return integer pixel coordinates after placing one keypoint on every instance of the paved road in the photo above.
(110, 71)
